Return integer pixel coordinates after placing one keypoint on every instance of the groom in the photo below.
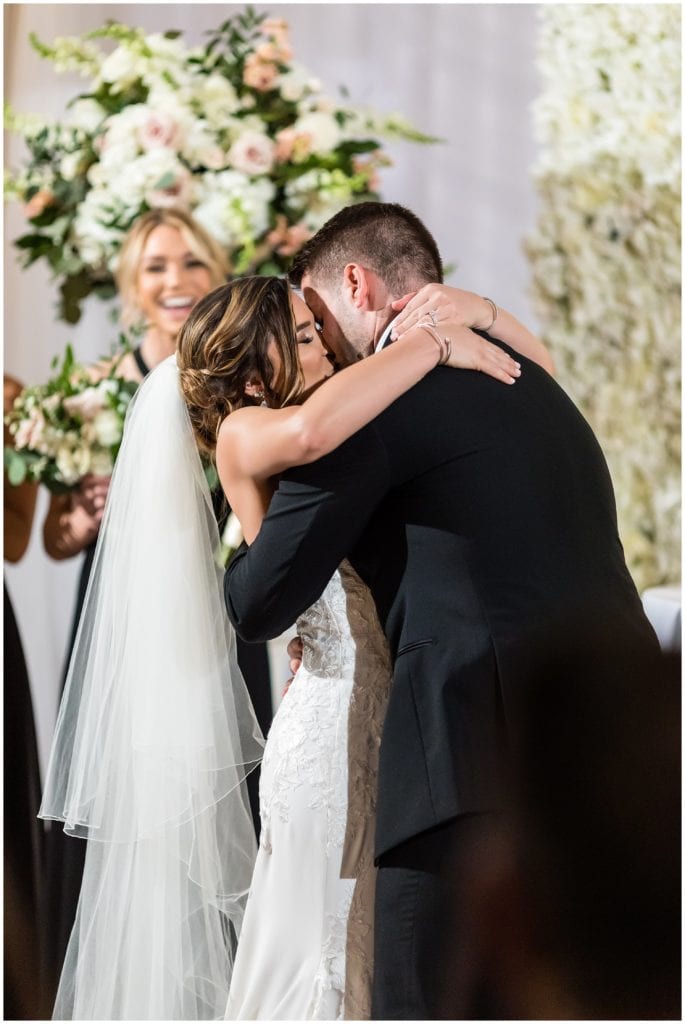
(483, 519)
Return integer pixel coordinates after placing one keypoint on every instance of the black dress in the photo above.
(23, 835)
(65, 855)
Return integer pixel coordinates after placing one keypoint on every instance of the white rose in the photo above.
(214, 158)
(216, 98)
(107, 428)
(86, 114)
(172, 51)
(120, 68)
(295, 82)
(252, 153)
(200, 147)
(118, 151)
(82, 460)
(322, 129)
(101, 463)
(65, 465)
(96, 175)
(69, 165)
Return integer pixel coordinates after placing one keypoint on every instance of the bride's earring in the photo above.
(259, 393)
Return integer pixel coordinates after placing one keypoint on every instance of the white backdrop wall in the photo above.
(464, 72)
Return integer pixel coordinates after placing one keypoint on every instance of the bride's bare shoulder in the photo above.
(237, 428)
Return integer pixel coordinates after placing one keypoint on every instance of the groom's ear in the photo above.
(357, 285)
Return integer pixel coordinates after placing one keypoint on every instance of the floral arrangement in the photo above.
(68, 427)
(236, 131)
(606, 252)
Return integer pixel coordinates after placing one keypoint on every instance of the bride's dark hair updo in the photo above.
(223, 345)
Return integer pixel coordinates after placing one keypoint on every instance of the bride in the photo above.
(155, 733)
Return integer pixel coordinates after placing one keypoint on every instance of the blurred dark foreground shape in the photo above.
(573, 897)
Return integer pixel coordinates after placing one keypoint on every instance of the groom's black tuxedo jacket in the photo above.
(482, 517)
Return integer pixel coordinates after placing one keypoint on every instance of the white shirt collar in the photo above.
(385, 335)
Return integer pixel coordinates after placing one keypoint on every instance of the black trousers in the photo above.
(423, 966)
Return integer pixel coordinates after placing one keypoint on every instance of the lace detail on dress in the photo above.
(345, 671)
(329, 982)
(322, 753)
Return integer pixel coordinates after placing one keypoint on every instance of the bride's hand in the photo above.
(468, 351)
(463, 309)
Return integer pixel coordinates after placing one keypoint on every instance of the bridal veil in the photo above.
(154, 739)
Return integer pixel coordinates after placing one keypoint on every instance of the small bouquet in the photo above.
(68, 427)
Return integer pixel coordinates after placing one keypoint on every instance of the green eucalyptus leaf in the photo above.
(16, 470)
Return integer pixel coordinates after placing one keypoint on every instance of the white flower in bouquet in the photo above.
(121, 69)
(233, 207)
(108, 428)
(322, 130)
(91, 233)
(296, 82)
(81, 457)
(101, 463)
(70, 165)
(86, 114)
(66, 467)
(253, 153)
(215, 99)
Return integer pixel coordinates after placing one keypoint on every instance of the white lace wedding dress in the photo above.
(306, 946)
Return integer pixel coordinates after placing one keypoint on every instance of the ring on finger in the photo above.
(433, 314)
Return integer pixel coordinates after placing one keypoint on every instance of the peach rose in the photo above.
(38, 203)
(292, 145)
(274, 52)
(288, 239)
(259, 74)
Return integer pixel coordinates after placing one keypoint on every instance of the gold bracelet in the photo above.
(493, 307)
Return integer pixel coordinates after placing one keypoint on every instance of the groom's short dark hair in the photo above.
(385, 237)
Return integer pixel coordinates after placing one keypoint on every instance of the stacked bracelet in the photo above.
(493, 307)
(444, 343)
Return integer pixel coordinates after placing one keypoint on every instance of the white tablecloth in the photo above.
(663, 609)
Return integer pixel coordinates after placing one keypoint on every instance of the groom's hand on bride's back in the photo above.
(295, 654)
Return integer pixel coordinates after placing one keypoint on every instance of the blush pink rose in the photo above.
(30, 431)
(252, 153)
(159, 129)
